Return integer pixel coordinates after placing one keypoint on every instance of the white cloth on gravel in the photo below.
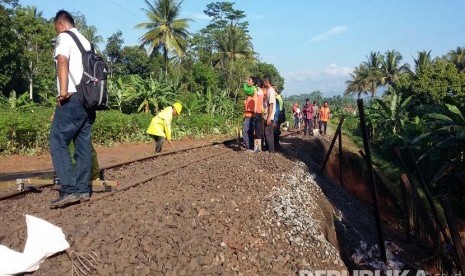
(43, 240)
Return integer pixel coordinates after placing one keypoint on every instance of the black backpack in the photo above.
(92, 90)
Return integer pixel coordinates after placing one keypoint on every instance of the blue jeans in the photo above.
(72, 122)
(308, 127)
(247, 132)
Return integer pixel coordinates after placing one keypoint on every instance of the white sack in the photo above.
(43, 240)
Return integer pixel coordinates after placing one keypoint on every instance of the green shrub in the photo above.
(24, 131)
(27, 131)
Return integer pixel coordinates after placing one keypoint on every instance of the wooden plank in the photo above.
(454, 232)
(338, 132)
(372, 181)
(8, 185)
(406, 188)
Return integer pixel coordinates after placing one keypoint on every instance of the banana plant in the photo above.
(153, 93)
(390, 114)
(20, 102)
(446, 141)
(117, 93)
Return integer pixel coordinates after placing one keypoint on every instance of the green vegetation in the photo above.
(421, 109)
(203, 70)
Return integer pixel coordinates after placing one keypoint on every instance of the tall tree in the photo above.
(134, 61)
(113, 51)
(391, 67)
(88, 31)
(434, 82)
(165, 31)
(423, 59)
(457, 57)
(223, 15)
(34, 32)
(264, 68)
(234, 57)
(10, 49)
(13, 3)
(357, 84)
(371, 72)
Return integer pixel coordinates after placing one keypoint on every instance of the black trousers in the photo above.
(158, 143)
(257, 121)
(269, 136)
(277, 133)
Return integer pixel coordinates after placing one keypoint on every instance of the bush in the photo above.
(24, 131)
(27, 132)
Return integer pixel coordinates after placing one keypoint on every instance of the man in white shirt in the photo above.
(271, 104)
(72, 121)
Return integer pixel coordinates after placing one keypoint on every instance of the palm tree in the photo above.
(457, 57)
(234, 55)
(423, 59)
(371, 72)
(165, 31)
(90, 32)
(234, 45)
(357, 84)
(391, 69)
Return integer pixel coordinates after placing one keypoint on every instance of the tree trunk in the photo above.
(30, 80)
(165, 56)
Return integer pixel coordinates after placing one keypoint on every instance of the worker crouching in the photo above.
(160, 126)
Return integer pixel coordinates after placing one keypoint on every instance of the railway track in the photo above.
(16, 184)
(147, 169)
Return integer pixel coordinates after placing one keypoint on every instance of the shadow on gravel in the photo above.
(235, 145)
(354, 220)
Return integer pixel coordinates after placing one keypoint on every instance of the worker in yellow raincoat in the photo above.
(160, 126)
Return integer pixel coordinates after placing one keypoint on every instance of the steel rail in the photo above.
(107, 167)
(110, 166)
(112, 193)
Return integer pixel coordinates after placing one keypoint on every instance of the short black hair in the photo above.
(255, 80)
(267, 78)
(307, 100)
(65, 16)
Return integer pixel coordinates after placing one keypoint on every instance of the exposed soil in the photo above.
(235, 213)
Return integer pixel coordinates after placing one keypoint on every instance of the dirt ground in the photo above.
(232, 213)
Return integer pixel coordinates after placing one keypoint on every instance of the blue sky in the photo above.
(314, 44)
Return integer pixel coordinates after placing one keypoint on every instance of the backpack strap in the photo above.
(78, 42)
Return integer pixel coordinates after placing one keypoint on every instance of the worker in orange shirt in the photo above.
(324, 117)
(250, 89)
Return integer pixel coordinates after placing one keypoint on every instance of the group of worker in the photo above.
(263, 115)
(311, 116)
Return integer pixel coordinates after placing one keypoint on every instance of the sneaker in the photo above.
(84, 197)
(64, 200)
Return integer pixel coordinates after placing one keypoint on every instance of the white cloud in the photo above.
(257, 17)
(332, 32)
(199, 16)
(329, 80)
